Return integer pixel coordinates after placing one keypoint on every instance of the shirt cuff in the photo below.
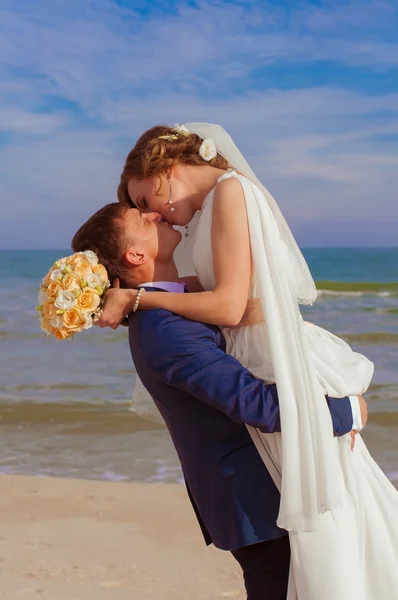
(356, 413)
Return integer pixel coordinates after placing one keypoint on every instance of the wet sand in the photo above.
(69, 539)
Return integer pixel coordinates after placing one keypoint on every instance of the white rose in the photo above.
(91, 257)
(93, 280)
(208, 149)
(56, 275)
(88, 321)
(65, 299)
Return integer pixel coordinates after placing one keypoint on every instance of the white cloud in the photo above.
(15, 120)
(79, 81)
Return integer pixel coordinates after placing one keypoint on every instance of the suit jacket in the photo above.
(205, 397)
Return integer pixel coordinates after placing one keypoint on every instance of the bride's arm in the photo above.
(192, 283)
(225, 304)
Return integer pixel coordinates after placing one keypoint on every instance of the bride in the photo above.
(338, 507)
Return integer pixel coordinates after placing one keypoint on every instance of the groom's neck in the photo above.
(158, 271)
(164, 271)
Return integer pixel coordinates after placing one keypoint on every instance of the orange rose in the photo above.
(89, 300)
(49, 309)
(54, 287)
(102, 272)
(72, 319)
(62, 334)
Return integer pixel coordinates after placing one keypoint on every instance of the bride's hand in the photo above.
(117, 305)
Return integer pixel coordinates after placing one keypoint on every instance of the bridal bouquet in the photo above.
(70, 296)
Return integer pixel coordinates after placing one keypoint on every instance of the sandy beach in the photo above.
(63, 539)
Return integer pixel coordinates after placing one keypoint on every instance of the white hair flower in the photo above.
(208, 149)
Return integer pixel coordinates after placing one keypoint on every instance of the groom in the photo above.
(205, 397)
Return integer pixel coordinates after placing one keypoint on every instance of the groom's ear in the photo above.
(135, 257)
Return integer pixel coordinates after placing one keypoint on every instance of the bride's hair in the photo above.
(157, 151)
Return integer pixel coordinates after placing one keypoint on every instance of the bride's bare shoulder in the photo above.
(228, 190)
(229, 206)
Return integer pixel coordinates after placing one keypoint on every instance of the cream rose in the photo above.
(57, 322)
(65, 299)
(83, 270)
(71, 281)
(91, 257)
(78, 259)
(79, 264)
(89, 300)
(46, 326)
(73, 319)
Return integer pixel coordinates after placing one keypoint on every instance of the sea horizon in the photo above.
(65, 407)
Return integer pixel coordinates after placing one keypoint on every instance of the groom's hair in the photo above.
(104, 234)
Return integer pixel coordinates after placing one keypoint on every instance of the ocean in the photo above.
(65, 406)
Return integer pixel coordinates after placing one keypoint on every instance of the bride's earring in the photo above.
(172, 209)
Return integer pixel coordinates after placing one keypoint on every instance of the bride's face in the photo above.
(154, 194)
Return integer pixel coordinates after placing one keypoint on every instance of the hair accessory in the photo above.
(170, 137)
(179, 131)
(137, 300)
(208, 149)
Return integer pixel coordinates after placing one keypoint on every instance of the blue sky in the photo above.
(308, 90)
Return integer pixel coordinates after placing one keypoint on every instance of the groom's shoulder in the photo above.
(161, 321)
(167, 332)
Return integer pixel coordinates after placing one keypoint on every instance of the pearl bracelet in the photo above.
(137, 300)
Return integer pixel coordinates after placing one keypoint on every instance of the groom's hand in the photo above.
(364, 417)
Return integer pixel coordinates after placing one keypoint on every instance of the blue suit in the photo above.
(205, 398)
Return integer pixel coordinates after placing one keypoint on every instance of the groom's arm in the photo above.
(186, 355)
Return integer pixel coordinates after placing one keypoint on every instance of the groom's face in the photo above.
(150, 234)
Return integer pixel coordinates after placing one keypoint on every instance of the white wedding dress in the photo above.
(353, 553)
